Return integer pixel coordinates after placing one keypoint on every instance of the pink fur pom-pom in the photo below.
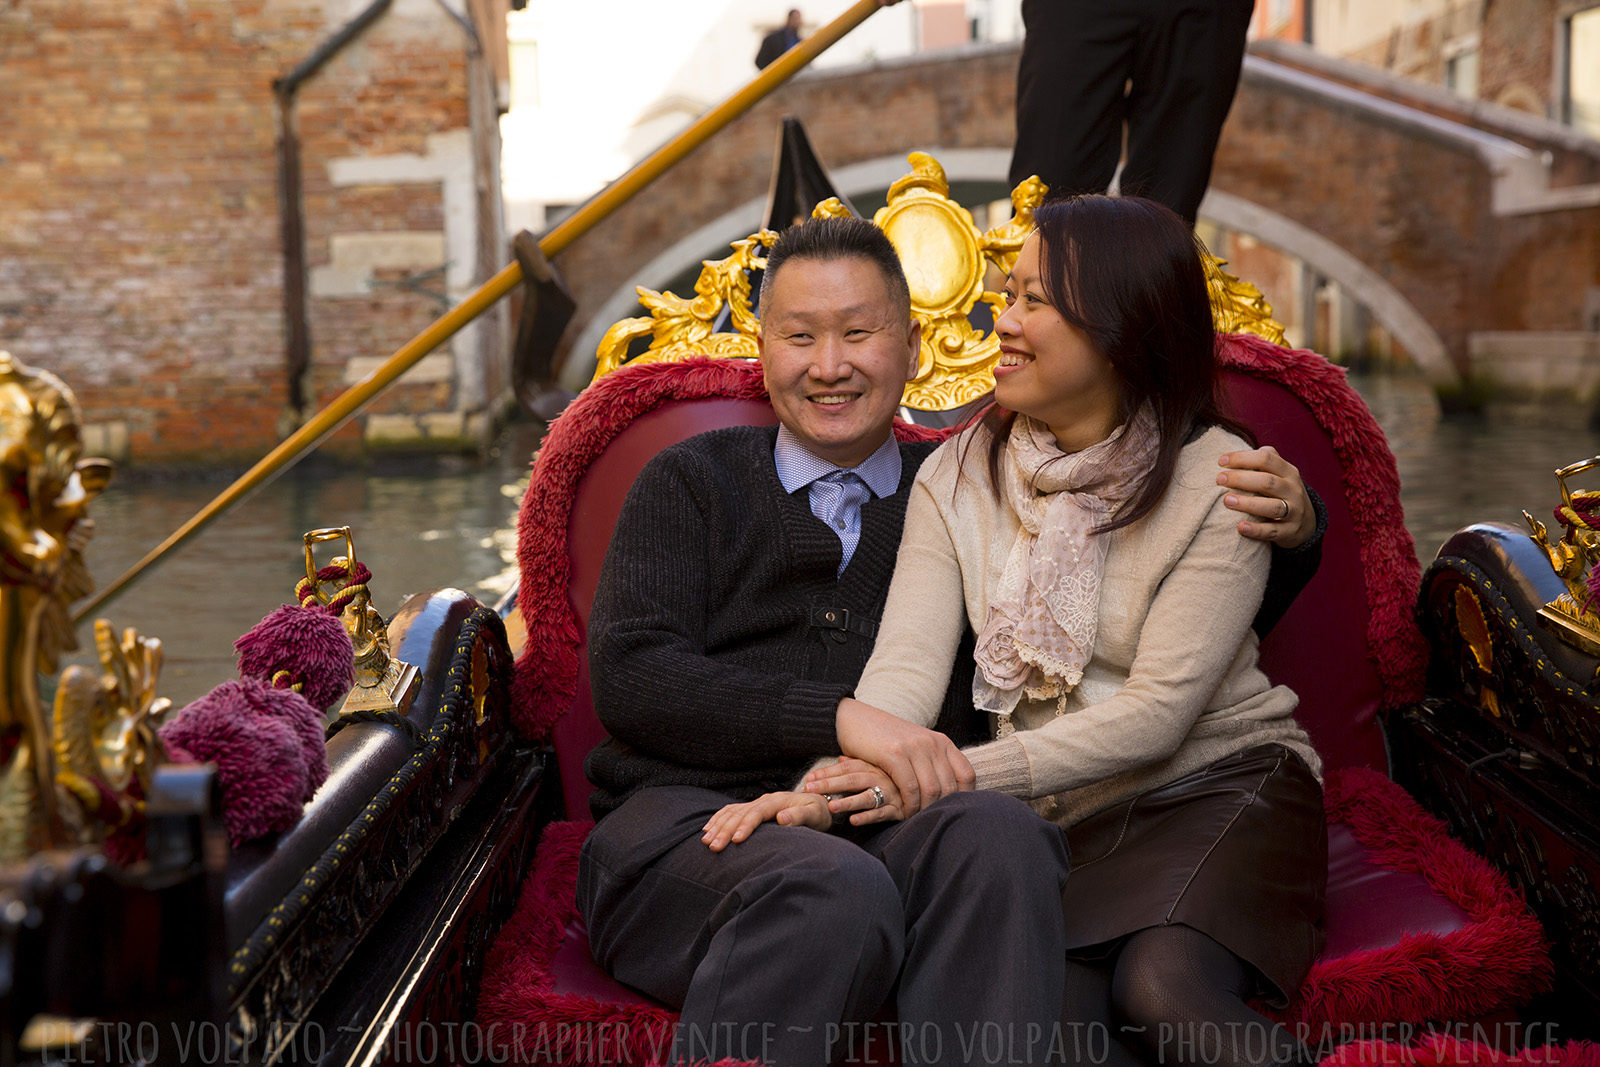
(267, 745)
(310, 645)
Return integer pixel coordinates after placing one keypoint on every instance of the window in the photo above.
(1581, 95)
(1461, 73)
(524, 73)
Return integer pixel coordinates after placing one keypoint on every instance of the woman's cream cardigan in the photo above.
(1172, 684)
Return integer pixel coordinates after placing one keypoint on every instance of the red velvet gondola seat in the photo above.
(1418, 928)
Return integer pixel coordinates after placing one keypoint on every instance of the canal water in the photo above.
(423, 524)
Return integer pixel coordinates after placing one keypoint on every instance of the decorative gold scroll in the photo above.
(1573, 615)
(946, 259)
(1237, 306)
(680, 328)
(105, 730)
(943, 253)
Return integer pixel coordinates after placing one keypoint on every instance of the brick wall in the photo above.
(140, 251)
(1519, 54)
(1516, 40)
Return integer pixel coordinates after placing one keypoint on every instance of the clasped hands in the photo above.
(911, 765)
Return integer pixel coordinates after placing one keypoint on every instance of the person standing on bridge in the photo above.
(779, 40)
(1167, 69)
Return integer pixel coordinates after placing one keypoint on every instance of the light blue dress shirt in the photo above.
(837, 493)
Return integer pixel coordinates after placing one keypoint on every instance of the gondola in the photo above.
(420, 907)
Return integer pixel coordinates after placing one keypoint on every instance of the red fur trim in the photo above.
(527, 1021)
(1441, 1050)
(547, 671)
(1372, 486)
(1501, 959)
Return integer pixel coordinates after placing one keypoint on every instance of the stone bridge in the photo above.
(1471, 232)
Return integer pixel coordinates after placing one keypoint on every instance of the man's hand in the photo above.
(1270, 493)
(736, 822)
(924, 764)
(849, 784)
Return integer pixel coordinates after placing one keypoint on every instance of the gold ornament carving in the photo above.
(947, 260)
(382, 682)
(1237, 306)
(53, 762)
(1474, 625)
(105, 730)
(1575, 614)
(680, 328)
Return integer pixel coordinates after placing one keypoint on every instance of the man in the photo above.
(734, 614)
(1168, 69)
(779, 40)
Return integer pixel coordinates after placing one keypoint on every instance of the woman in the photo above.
(1080, 530)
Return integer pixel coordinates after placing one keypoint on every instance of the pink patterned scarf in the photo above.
(1041, 626)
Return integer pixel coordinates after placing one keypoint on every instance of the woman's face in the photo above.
(1049, 370)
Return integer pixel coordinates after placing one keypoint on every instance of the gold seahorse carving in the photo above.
(43, 528)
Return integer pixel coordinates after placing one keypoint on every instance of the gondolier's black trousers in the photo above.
(790, 942)
(1182, 59)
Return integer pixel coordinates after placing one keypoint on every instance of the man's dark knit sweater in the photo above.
(710, 660)
(739, 696)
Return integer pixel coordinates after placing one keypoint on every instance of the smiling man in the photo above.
(735, 612)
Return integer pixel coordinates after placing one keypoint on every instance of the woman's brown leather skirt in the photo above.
(1237, 850)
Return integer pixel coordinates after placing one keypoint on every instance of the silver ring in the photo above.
(1284, 514)
(877, 797)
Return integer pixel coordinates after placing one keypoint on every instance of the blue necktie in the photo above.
(836, 499)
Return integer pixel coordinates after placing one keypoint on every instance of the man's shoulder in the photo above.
(731, 454)
(720, 446)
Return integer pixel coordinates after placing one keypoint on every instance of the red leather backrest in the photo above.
(1320, 647)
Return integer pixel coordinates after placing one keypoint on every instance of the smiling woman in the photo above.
(1048, 367)
(1078, 530)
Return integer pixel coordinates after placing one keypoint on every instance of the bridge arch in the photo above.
(1387, 304)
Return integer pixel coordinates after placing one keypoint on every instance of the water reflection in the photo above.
(421, 525)
(1455, 471)
(431, 523)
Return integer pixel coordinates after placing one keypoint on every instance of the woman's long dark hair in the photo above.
(1127, 272)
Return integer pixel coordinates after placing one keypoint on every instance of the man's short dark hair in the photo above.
(840, 238)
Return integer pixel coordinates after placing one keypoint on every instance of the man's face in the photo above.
(793, 21)
(836, 352)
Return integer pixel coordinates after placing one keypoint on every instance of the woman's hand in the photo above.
(1268, 490)
(735, 822)
(861, 790)
(924, 764)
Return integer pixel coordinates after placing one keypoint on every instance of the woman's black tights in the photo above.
(1170, 995)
